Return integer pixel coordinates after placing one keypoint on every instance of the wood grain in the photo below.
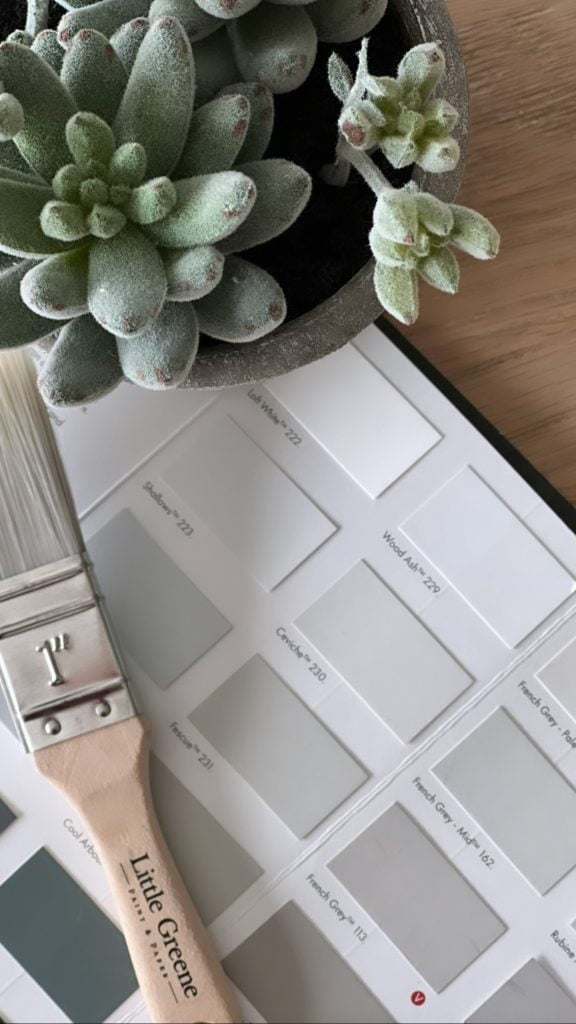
(508, 340)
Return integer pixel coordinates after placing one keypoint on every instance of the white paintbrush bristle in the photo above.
(38, 522)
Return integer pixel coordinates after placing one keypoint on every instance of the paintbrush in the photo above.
(71, 702)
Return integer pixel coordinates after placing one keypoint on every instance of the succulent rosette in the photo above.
(270, 41)
(123, 208)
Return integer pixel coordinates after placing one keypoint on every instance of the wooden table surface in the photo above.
(508, 340)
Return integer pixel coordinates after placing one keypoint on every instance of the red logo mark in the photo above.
(418, 998)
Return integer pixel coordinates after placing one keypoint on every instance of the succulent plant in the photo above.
(269, 41)
(413, 232)
(125, 210)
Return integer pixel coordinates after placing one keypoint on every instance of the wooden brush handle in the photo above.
(105, 776)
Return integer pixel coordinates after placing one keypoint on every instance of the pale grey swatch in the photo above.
(6, 816)
(517, 796)
(6, 715)
(384, 652)
(159, 616)
(289, 972)
(214, 866)
(276, 743)
(249, 503)
(559, 676)
(418, 898)
(531, 996)
(64, 941)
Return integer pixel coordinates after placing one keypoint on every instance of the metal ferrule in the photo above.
(58, 663)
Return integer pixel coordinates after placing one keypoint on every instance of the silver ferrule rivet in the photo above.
(52, 727)
(102, 709)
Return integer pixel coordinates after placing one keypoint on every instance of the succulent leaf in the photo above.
(152, 201)
(215, 65)
(94, 74)
(396, 216)
(159, 118)
(46, 45)
(440, 269)
(474, 234)
(10, 157)
(11, 116)
(282, 191)
(342, 21)
(162, 356)
(105, 220)
(209, 208)
(227, 8)
(217, 133)
(21, 205)
(67, 182)
(105, 17)
(247, 304)
(47, 108)
(9, 174)
(89, 139)
(261, 123)
(198, 24)
(18, 324)
(127, 40)
(439, 155)
(128, 165)
(441, 113)
(422, 68)
(192, 273)
(126, 283)
(435, 215)
(340, 77)
(83, 364)
(275, 45)
(64, 222)
(58, 287)
(397, 291)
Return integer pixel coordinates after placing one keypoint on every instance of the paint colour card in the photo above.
(214, 866)
(489, 556)
(289, 972)
(158, 615)
(413, 892)
(517, 796)
(369, 427)
(531, 996)
(559, 676)
(275, 742)
(6, 816)
(248, 502)
(384, 652)
(64, 941)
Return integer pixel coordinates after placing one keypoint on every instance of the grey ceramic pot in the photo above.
(340, 318)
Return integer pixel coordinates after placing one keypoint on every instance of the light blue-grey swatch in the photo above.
(278, 745)
(6, 816)
(159, 616)
(64, 941)
(417, 897)
(289, 972)
(531, 996)
(214, 866)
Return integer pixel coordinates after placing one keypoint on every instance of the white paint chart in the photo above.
(352, 625)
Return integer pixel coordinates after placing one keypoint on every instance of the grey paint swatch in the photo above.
(64, 941)
(157, 613)
(418, 898)
(6, 816)
(517, 796)
(531, 996)
(6, 715)
(384, 652)
(490, 556)
(214, 866)
(559, 676)
(249, 502)
(289, 972)
(275, 742)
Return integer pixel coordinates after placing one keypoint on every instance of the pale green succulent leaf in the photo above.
(94, 74)
(163, 355)
(392, 254)
(474, 234)
(362, 125)
(46, 45)
(275, 45)
(47, 108)
(247, 304)
(434, 214)
(105, 17)
(400, 150)
(227, 9)
(11, 116)
(215, 66)
(10, 157)
(83, 365)
(152, 201)
(282, 192)
(128, 165)
(18, 324)
(105, 220)
(192, 273)
(21, 206)
(66, 183)
(422, 68)
(261, 124)
(89, 139)
(438, 155)
(441, 270)
(57, 288)
(127, 40)
(396, 216)
(209, 208)
(340, 77)
(341, 21)
(64, 222)
(442, 113)
(397, 291)
(159, 118)
(197, 23)
(126, 282)
(217, 133)
(9, 174)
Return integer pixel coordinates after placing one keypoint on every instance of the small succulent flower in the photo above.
(269, 41)
(399, 115)
(413, 236)
(122, 209)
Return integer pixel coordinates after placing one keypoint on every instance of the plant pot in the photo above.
(334, 321)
